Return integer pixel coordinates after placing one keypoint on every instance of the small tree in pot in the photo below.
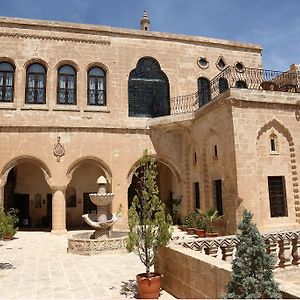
(149, 226)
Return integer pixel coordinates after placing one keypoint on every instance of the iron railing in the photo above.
(249, 78)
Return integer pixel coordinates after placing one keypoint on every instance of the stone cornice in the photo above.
(113, 31)
(112, 130)
(53, 38)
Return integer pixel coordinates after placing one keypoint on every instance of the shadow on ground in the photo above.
(129, 289)
(6, 266)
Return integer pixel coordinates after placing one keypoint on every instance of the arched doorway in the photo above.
(168, 182)
(84, 182)
(27, 190)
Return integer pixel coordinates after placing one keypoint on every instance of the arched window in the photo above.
(96, 87)
(66, 86)
(148, 90)
(241, 84)
(6, 82)
(223, 85)
(36, 84)
(203, 90)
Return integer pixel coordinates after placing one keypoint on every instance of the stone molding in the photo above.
(54, 38)
(117, 130)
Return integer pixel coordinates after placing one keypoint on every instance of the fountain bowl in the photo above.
(101, 199)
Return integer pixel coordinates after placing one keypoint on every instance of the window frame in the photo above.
(35, 88)
(96, 85)
(66, 90)
(3, 88)
(274, 203)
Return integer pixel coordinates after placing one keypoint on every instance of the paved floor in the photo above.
(36, 265)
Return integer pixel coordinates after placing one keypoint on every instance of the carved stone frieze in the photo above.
(53, 38)
(58, 150)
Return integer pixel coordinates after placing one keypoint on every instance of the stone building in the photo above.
(79, 101)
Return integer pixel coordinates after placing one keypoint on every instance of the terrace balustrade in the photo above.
(231, 77)
(283, 245)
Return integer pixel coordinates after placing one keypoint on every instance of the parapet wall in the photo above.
(190, 274)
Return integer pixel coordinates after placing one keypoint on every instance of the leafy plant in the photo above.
(211, 216)
(252, 268)
(200, 221)
(8, 222)
(173, 206)
(149, 226)
(190, 219)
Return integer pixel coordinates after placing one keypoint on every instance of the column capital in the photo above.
(61, 188)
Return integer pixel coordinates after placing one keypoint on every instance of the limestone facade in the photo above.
(94, 140)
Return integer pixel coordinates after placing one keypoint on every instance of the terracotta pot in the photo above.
(211, 234)
(201, 233)
(149, 287)
(8, 237)
(190, 231)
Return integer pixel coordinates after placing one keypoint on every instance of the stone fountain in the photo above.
(103, 219)
(103, 239)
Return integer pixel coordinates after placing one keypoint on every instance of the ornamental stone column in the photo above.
(58, 210)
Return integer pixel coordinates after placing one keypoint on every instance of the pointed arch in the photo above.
(278, 126)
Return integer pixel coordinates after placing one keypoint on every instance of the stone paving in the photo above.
(36, 265)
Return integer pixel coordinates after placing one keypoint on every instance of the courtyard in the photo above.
(36, 265)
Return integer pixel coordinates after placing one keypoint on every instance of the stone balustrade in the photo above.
(283, 245)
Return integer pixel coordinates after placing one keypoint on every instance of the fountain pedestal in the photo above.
(103, 220)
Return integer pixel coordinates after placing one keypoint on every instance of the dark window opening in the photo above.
(240, 67)
(148, 90)
(6, 82)
(218, 195)
(223, 85)
(203, 63)
(277, 196)
(216, 151)
(221, 63)
(66, 89)
(241, 84)
(273, 144)
(36, 84)
(195, 157)
(96, 87)
(197, 194)
(204, 90)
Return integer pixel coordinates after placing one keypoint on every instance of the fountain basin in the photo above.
(101, 199)
(83, 244)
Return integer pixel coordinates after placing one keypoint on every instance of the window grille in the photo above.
(277, 196)
(96, 87)
(36, 84)
(66, 90)
(6, 82)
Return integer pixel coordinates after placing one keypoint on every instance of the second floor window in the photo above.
(6, 82)
(96, 87)
(66, 89)
(36, 84)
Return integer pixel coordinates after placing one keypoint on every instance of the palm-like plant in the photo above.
(211, 216)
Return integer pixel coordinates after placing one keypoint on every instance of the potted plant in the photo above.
(211, 216)
(8, 222)
(189, 221)
(149, 226)
(173, 206)
(201, 224)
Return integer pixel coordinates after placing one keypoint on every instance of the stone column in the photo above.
(2, 194)
(58, 210)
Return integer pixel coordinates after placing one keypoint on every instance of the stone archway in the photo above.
(83, 175)
(168, 181)
(25, 186)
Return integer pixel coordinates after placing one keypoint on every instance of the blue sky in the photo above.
(274, 24)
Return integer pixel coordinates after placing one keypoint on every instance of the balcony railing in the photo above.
(248, 78)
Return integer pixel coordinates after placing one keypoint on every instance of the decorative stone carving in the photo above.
(58, 150)
(283, 244)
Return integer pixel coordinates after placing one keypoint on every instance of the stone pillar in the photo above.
(272, 250)
(284, 253)
(296, 251)
(227, 253)
(58, 210)
(2, 195)
(211, 251)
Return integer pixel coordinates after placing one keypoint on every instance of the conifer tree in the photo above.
(252, 268)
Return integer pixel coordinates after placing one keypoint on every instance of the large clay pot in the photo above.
(200, 233)
(149, 287)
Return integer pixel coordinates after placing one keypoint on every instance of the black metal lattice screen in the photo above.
(148, 90)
